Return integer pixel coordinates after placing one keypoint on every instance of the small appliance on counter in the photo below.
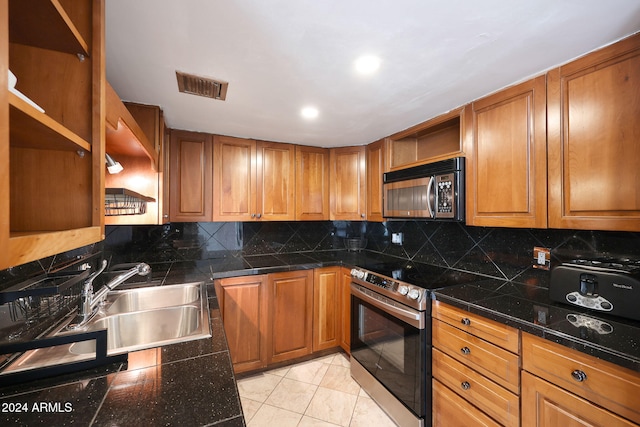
(606, 285)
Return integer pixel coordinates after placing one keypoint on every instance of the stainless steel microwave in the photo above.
(432, 191)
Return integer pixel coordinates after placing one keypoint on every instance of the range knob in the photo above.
(403, 290)
(413, 294)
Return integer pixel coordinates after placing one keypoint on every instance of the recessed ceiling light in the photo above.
(309, 112)
(367, 64)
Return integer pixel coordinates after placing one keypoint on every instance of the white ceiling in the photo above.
(281, 55)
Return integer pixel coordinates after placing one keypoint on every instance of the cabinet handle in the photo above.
(465, 385)
(465, 321)
(259, 215)
(253, 215)
(362, 215)
(579, 375)
(465, 350)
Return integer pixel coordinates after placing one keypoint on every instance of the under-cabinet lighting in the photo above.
(113, 166)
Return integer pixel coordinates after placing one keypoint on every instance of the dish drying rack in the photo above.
(47, 297)
(122, 201)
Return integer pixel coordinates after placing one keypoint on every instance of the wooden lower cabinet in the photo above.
(272, 318)
(326, 315)
(581, 378)
(547, 405)
(450, 410)
(290, 315)
(476, 369)
(345, 310)
(243, 307)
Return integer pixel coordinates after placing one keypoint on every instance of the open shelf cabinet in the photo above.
(51, 162)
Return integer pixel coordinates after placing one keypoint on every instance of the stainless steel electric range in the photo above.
(391, 336)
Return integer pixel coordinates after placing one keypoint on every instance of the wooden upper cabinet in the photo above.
(190, 166)
(312, 183)
(348, 183)
(141, 174)
(276, 178)
(375, 169)
(440, 138)
(234, 194)
(507, 158)
(51, 162)
(253, 180)
(593, 134)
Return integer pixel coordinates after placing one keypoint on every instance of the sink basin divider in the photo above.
(101, 357)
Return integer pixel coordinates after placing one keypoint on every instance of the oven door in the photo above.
(389, 340)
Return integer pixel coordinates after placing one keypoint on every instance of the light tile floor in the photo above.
(317, 393)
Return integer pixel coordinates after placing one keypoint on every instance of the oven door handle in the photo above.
(411, 317)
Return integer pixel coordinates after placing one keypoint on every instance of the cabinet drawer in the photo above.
(598, 381)
(494, 332)
(450, 410)
(495, 401)
(545, 405)
(492, 361)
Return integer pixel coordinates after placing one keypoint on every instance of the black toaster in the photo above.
(604, 285)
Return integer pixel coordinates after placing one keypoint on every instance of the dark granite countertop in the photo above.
(524, 306)
(529, 309)
(192, 383)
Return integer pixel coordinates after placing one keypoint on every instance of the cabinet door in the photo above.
(450, 410)
(234, 179)
(191, 176)
(345, 310)
(326, 316)
(244, 315)
(594, 154)
(275, 181)
(507, 159)
(348, 184)
(290, 315)
(375, 169)
(312, 183)
(545, 405)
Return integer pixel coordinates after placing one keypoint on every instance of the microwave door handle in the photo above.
(430, 192)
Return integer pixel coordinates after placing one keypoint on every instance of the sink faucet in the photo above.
(89, 301)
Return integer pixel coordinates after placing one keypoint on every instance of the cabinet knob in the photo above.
(253, 215)
(465, 321)
(579, 375)
(362, 215)
(465, 385)
(258, 215)
(465, 350)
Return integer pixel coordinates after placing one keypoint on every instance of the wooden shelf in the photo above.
(56, 30)
(124, 135)
(32, 129)
(27, 246)
(437, 139)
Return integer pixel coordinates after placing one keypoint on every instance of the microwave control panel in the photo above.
(445, 196)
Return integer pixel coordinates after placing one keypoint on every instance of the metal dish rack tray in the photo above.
(43, 298)
(122, 201)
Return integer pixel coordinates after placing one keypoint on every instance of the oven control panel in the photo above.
(399, 289)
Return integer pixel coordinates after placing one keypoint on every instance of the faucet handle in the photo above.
(143, 269)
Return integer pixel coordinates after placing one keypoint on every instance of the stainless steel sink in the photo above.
(137, 330)
(135, 319)
(151, 298)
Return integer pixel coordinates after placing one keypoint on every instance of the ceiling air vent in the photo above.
(202, 86)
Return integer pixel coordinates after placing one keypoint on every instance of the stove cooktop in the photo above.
(422, 275)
